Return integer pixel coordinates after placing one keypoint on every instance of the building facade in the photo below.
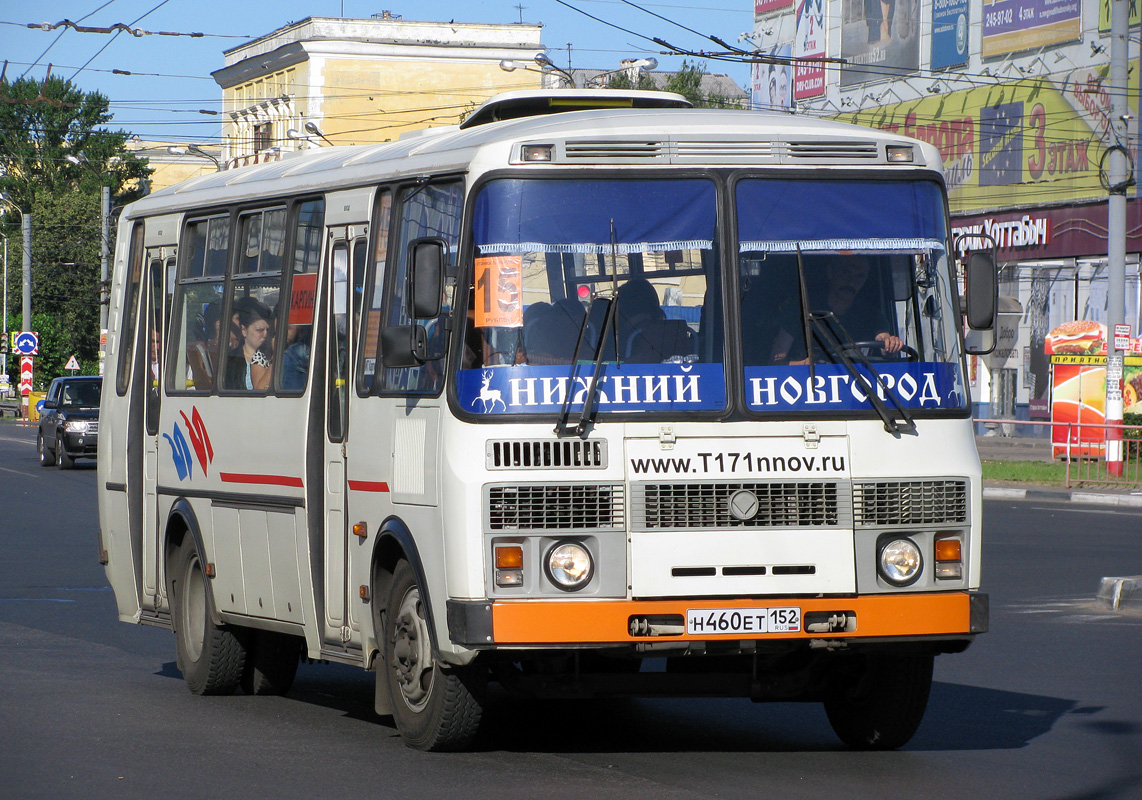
(361, 81)
(1014, 94)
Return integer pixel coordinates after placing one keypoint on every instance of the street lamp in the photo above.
(546, 65)
(634, 65)
(194, 150)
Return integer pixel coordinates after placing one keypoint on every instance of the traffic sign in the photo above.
(72, 364)
(26, 343)
(26, 375)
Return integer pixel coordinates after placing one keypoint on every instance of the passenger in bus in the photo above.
(551, 332)
(248, 367)
(852, 310)
(295, 359)
(202, 350)
(155, 358)
(646, 336)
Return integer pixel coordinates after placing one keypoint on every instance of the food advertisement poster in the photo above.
(1078, 385)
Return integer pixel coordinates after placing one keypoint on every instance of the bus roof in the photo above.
(626, 137)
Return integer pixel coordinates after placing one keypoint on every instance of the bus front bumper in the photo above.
(896, 617)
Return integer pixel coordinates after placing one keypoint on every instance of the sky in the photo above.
(170, 81)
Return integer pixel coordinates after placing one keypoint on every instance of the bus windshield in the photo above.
(845, 288)
(570, 274)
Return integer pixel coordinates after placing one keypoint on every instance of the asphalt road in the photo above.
(1046, 706)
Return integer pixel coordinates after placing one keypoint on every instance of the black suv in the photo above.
(69, 423)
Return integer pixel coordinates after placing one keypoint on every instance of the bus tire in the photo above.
(884, 709)
(47, 457)
(211, 657)
(271, 663)
(435, 707)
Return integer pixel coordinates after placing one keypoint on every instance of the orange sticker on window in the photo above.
(303, 296)
(499, 286)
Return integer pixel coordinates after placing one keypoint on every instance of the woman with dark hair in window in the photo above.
(248, 367)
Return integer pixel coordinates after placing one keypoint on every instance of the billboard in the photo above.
(1022, 143)
(772, 84)
(809, 78)
(762, 8)
(950, 20)
(880, 40)
(1012, 26)
(1104, 15)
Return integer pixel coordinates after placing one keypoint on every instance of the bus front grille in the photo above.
(934, 502)
(555, 507)
(785, 504)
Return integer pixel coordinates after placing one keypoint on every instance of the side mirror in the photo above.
(51, 404)
(426, 276)
(404, 346)
(982, 290)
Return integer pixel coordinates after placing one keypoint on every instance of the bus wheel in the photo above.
(883, 710)
(435, 707)
(271, 663)
(211, 657)
(47, 457)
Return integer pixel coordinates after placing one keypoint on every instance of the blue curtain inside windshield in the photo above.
(575, 216)
(839, 214)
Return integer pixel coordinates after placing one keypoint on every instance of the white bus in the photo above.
(630, 399)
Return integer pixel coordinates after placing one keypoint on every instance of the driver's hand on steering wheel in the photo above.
(892, 344)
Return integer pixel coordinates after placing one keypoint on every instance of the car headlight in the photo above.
(569, 566)
(76, 426)
(900, 562)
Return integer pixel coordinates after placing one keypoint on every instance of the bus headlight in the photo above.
(569, 566)
(900, 562)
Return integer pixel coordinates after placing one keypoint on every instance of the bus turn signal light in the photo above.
(948, 550)
(509, 557)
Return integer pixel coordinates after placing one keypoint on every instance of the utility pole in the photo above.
(26, 224)
(1117, 179)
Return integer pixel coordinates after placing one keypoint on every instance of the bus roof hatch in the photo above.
(533, 103)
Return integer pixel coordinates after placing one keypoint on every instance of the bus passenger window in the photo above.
(299, 310)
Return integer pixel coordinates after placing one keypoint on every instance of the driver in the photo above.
(860, 318)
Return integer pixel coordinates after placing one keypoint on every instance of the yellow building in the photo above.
(359, 81)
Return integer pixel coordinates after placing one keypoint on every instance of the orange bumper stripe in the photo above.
(569, 622)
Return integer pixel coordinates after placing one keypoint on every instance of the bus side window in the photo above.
(130, 312)
(255, 346)
(294, 371)
(193, 363)
(429, 210)
(374, 281)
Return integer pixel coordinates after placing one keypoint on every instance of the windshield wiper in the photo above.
(600, 348)
(821, 327)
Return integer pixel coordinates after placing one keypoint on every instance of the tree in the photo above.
(41, 123)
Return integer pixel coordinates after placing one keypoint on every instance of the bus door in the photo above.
(343, 279)
(156, 290)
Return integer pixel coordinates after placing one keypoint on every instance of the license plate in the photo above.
(722, 621)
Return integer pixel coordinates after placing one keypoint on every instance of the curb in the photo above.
(1119, 593)
(1063, 496)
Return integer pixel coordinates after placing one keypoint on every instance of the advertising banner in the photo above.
(881, 40)
(773, 83)
(1104, 15)
(763, 8)
(809, 79)
(1013, 26)
(1021, 143)
(950, 20)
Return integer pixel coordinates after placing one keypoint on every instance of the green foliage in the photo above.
(686, 82)
(620, 80)
(41, 123)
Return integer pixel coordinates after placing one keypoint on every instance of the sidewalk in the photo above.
(1001, 448)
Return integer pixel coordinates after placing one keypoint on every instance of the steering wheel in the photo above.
(906, 352)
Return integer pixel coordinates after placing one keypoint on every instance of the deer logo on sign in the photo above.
(488, 396)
